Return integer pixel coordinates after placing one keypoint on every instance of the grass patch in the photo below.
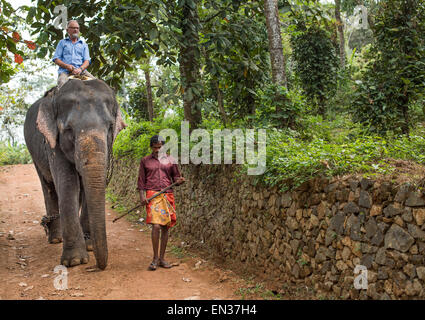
(178, 252)
(14, 154)
(254, 291)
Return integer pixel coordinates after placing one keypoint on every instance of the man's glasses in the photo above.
(73, 28)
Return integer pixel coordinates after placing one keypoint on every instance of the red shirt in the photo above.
(157, 175)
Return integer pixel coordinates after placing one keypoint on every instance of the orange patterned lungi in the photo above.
(161, 210)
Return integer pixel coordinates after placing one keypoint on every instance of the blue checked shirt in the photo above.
(72, 53)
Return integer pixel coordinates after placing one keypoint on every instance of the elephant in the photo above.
(69, 133)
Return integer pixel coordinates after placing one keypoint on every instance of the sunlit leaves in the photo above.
(12, 46)
(391, 84)
(314, 54)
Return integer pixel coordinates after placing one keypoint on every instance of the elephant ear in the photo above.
(46, 119)
(119, 123)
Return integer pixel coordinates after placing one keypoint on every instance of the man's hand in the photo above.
(180, 180)
(76, 71)
(143, 200)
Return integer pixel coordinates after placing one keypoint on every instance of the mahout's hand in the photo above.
(180, 180)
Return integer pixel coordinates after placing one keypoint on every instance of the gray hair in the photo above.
(69, 22)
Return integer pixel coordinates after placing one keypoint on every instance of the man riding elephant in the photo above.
(72, 55)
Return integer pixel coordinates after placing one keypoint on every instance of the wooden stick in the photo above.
(147, 200)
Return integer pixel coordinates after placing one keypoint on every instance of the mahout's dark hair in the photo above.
(157, 139)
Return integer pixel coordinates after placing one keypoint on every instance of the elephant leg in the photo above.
(84, 220)
(52, 209)
(67, 184)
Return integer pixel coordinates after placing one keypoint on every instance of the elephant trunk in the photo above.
(93, 173)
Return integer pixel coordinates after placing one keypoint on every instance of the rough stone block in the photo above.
(397, 238)
(419, 215)
(415, 199)
(365, 200)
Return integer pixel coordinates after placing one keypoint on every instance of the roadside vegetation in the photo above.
(333, 100)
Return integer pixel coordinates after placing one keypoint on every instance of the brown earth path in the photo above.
(27, 261)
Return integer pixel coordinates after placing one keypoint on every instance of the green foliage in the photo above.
(13, 154)
(330, 148)
(393, 81)
(134, 140)
(270, 99)
(336, 130)
(349, 5)
(12, 46)
(12, 111)
(119, 33)
(137, 105)
(235, 49)
(408, 148)
(208, 52)
(227, 37)
(360, 38)
(318, 148)
(314, 53)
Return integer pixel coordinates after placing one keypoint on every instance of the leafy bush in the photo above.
(394, 80)
(278, 107)
(314, 53)
(338, 130)
(316, 65)
(319, 147)
(14, 154)
(330, 151)
(134, 140)
(137, 105)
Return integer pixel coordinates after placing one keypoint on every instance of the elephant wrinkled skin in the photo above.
(69, 134)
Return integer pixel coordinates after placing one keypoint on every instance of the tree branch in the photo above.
(216, 15)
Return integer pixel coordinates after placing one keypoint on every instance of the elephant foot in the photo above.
(89, 242)
(55, 240)
(74, 257)
(55, 237)
(53, 229)
(89, 245)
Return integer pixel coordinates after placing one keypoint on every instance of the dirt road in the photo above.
(27, 261)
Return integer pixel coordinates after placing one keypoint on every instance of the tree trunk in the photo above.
(275, 42)
(149, 94)
(277, 59)
(340, 28)
(189, 65)
(221, 104)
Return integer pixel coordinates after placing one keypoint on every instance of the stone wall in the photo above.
(316, 234)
